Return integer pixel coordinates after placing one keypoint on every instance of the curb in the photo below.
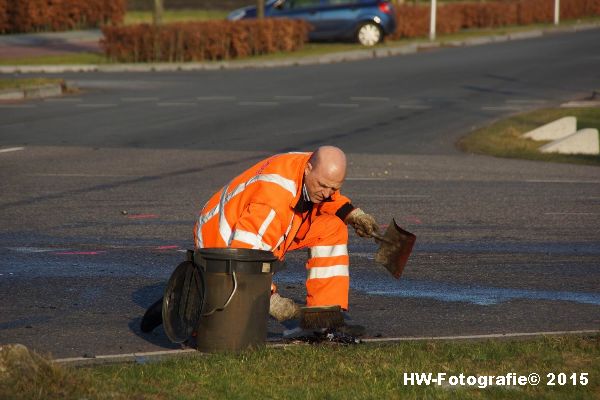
(143, 358)
(297, 61)
(138, 358)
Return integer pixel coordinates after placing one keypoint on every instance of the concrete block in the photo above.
(42, 91)
(584, 141)
(12, 95)
(558, 129)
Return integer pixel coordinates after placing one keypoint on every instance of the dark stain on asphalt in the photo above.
(144, 179)
(490, 90)
(361, 131)
(502, 78)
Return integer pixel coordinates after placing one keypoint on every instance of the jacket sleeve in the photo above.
(338, 205)
(258, 227)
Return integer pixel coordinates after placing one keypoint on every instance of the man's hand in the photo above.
(282, 308)
(364, 224)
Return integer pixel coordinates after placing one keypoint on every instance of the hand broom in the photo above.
(321, 317)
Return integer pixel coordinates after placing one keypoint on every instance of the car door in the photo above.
(307, 10)
(338, 17)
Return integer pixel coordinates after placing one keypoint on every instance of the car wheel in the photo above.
(369, 34)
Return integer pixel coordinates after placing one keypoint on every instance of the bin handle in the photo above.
(235, 286)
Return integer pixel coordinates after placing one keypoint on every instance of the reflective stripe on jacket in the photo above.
(256, 209)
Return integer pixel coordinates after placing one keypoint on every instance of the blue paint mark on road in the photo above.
(447, 292)
(480, 295)
(589, 249)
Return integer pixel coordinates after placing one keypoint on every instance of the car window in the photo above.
(299, 4)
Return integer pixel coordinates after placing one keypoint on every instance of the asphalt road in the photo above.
(99, 204)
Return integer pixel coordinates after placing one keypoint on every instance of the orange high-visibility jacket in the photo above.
(256, 209)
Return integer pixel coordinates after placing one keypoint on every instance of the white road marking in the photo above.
(558, 181)
(293, 97)
(96, 105)
(338, 105)
(259, 103)
(571, 213)
(8, 150)
(359, 98)
(217, 98)
(34, 249)
(138, 99)
(175, 104)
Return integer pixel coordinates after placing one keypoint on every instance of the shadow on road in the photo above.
(144, 297)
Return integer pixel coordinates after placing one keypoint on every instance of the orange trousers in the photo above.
(328, 280)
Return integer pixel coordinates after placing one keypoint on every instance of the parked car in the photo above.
(366, 21)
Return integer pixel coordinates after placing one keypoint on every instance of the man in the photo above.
(288, 202)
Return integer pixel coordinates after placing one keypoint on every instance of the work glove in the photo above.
(364, 224)
(282, 308)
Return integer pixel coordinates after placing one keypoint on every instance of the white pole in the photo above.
(158, 12)
(432, 20)
(556, 12)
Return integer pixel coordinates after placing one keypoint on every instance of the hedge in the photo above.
(56, 15)
(226, 5)
(207, 40)
(413, 20)
(4, 21)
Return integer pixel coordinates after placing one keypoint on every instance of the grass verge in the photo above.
(83, 58)
(503, 138)
(335, 372)
(24, 83)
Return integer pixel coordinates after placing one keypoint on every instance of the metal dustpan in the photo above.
(394, 249)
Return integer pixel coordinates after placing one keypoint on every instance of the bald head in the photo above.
(325, 173)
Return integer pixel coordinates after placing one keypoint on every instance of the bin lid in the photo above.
(229, 253)
(183, 301)
(227, 259)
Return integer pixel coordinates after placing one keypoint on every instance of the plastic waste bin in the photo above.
(237, 289)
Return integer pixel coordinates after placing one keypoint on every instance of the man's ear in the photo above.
(308, 168)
